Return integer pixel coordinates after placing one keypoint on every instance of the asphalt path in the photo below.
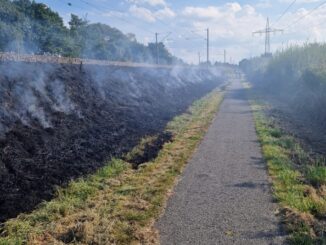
(224, 195)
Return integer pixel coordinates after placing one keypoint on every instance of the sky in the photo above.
(182, 24)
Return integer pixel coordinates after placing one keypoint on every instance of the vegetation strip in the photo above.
(299, 183)
(117, 205)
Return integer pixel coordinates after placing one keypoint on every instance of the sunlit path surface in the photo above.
(224, 195)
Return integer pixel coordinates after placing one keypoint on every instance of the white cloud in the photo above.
(264, 4)
(149, 15)
(230, 20)
(114, 14)
(231, 26)
(149, 2)
(165, 13)
(201, 13)
(142, 13)
(310, 25)
(300, 1)
(234, 7)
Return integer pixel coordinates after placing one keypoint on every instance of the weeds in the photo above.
(316, 175)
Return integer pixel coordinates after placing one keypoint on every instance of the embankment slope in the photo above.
(59, 122)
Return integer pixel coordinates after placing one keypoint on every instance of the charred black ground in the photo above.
(60, 122)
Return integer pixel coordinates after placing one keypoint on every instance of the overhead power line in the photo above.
(103, 9)
(196, 33)
(90, 4)
(166, 36)
(304, 16)
(285, 11)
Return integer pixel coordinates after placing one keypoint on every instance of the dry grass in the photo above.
(117, 205)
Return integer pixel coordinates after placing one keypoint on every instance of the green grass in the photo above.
(68, 199)
(117, 204)
(296, 187)
(316, 175)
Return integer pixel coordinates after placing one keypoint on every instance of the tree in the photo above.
(131, 37)
(30, 27)
(164, 55)
(76, 23)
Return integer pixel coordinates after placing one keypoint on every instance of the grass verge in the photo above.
(116, 205)
(299, 182)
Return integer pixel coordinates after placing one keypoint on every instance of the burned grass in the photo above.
(58, 122)
(117, 205)
(147, 149)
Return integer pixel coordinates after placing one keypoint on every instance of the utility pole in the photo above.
(157, 45)
(199, 58)
(207, 46)
(267, 31)
(267, 39)
(157, 56)
(224, 56)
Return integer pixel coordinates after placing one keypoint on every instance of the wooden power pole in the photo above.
(207, 46)
(157, 51)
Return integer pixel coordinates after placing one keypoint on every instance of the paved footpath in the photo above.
(223, 196)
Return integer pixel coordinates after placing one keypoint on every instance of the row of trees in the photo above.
(29, 27)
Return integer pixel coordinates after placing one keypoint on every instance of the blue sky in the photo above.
(181, 24)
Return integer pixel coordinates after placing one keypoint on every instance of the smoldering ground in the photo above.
(293, 84)
(60, 122)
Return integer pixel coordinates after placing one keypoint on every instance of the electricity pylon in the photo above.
(267, 33)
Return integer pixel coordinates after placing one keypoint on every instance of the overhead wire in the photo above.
(307, 14)
(151, 32)
(165, 24)
(196, 33)
(166, 36)
(124, 12)
(286, 10)
(103, 11)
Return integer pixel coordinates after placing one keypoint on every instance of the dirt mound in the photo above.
(60, 122)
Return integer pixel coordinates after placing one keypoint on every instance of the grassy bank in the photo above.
(116, 205)
(295, 77)
(299, 181)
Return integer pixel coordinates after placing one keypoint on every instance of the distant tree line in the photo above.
(30, 27)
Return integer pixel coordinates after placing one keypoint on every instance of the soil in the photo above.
(61, 122)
